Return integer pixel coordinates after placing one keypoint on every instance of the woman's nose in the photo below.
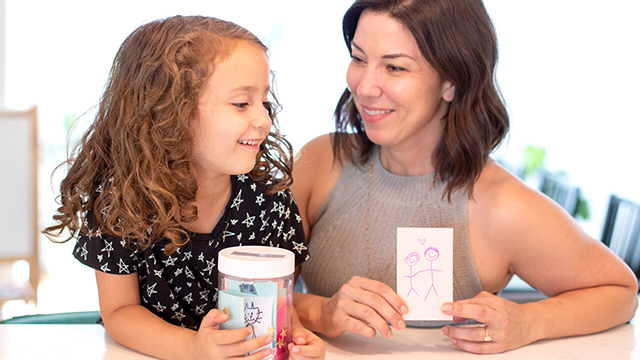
(369, 85)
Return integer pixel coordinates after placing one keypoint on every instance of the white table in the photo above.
(92, 342)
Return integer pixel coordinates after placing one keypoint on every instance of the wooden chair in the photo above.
(622, 231)
(18, 208)
(561, 192)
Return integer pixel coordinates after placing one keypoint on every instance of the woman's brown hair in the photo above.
(133, 167)
(458, 40)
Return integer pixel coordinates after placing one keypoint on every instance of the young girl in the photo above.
(183, 159)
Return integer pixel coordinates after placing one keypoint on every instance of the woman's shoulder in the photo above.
(501, 201)
(316, 170)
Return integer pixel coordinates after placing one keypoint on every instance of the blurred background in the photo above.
(568, 71)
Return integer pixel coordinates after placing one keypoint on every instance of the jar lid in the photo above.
(256, 262)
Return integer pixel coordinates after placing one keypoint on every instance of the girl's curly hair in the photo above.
(133, 167)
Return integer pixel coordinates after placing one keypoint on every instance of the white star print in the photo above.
(260, 200)
(84, 251)
(177, 272)
(158, 272)
(100, 258)
(200, 309)
(179, 315)
(108, 247)
(242, 177)
(175, 307)
(189, 273)
(233, 221)
(170, 261)
(151, 290)
(105, 267)
(159, 307)
(201, 256)
(239, 237)
(188, 298)
(252, 236)
(237, 201)
(210, 266)
(123, 267)
(187, 256)
(253, 186)
(204, 294)
(249, 220)
(299, 247)
(298, 218)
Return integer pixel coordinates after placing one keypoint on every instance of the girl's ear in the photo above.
(448, 91)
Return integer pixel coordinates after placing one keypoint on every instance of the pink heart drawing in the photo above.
(422, 241)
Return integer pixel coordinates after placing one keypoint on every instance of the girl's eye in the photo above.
(241, 105)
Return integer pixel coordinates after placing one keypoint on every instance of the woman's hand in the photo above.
(506, 323)
(363, 306)
(213, 343)
(305, 345)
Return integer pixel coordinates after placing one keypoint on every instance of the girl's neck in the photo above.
(211, 200)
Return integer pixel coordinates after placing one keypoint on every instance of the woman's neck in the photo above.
(412, 161)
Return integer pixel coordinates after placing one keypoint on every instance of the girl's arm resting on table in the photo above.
(131, 325)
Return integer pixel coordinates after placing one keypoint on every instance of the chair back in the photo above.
(621, 231)
(561, 192)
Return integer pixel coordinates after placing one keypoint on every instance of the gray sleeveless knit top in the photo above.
(338, 245)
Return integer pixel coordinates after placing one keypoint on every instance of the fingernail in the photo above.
(266, 354)
(389, 334)
(454, 341)
(300, 340)
(404, 310)
(445, 330)
(268, 340)
(446, 307)
(295, 349)
(400, 325)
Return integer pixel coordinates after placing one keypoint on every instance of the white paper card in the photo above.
(425, 271)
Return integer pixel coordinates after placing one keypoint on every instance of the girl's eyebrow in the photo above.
(248, 88)
(388, 56)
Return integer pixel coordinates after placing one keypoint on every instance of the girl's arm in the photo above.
(133, 326)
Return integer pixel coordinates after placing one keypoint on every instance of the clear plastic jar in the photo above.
(255, 286)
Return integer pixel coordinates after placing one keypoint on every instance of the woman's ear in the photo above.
(448, 91)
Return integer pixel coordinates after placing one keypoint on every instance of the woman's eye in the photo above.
(241, 105)
(356, 59)
(394, 68)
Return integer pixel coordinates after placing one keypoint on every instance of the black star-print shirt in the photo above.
(182, 287)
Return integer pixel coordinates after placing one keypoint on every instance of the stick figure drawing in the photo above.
(411, 260)
(431, 254)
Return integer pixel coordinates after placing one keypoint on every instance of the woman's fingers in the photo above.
(379, 297)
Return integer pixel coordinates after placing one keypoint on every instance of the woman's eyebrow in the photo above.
(388, 56)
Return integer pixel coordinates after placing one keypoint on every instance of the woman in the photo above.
(415, 128)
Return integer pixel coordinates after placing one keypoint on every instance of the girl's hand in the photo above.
(213, 343)
(363, 306)
(506, 323)
(305, 345)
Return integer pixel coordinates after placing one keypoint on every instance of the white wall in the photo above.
(568, 71)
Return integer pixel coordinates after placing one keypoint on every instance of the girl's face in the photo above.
(400, 97)
(232, 119)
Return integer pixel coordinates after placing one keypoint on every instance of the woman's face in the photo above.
(399, 95)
